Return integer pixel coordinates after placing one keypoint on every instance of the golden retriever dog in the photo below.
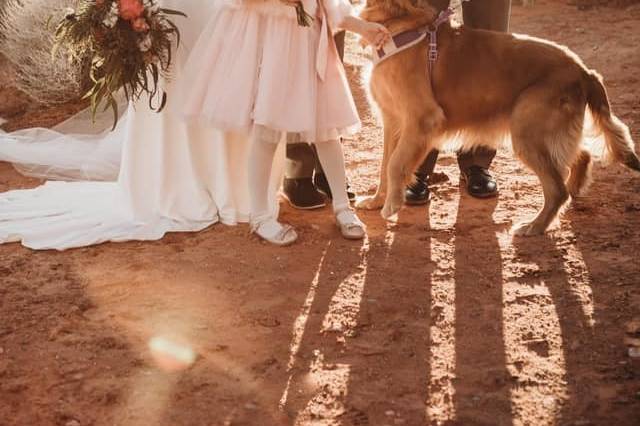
(486, 86)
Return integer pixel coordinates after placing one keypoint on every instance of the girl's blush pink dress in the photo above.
(254, 68)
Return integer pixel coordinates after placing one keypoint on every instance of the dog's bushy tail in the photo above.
(618, 142)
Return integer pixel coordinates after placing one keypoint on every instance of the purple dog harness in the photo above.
(406, 39)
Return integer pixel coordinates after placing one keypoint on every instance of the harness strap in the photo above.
(407, 39)
(443, 17)
(397, 44)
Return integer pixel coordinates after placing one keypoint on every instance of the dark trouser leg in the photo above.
(481, 156)
(427, 166)
(301, 161)
(417, 193)
(298, 184)
(487, 15)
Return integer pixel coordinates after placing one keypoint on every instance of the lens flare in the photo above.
(171, 356)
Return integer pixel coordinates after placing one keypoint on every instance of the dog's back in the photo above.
(481, 73)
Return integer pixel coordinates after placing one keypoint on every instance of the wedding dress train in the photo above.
(154, 174)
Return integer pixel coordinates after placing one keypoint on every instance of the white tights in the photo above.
(260, 163)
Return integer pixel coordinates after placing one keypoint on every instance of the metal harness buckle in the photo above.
(443, 17)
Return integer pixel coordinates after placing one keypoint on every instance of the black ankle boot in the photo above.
(417, 193)
(302, 194)
(480, 183)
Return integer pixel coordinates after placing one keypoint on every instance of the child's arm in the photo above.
(341, 15)
(373, 33)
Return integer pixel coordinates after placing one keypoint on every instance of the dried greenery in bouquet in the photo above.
(304, 19)
(129, 44)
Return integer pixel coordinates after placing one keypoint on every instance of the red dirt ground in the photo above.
(439, 319)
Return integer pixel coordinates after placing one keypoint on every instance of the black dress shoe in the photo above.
(302, 194)
(322, 184)
(417, 193)
(480, 183)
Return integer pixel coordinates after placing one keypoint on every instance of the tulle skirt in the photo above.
(253, 65)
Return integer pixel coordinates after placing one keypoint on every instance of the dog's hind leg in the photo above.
(546, 139)
(555, 196)
(416, 141)
(391, 135)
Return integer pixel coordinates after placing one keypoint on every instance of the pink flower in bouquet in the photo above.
(140, 25)
(130, 10)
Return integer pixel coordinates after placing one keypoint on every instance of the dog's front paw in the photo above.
(370, 203)
(527, 229)
(390, 210)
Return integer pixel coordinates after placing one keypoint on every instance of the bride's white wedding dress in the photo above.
(154, 174)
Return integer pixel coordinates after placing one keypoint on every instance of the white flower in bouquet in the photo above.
(112, 17)
(146, 43)
(151, 5)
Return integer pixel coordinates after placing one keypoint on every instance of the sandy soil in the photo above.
(441, 318)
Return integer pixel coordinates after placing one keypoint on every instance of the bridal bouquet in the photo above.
(127, 45)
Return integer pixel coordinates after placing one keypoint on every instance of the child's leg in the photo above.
(263, 223)
(332, 160)
(261, 156)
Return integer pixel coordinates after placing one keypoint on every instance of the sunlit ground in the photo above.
(442, 317)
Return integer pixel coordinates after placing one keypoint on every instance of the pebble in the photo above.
(634, 352)
(1, 351)
(72, 423)
(390, 413)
